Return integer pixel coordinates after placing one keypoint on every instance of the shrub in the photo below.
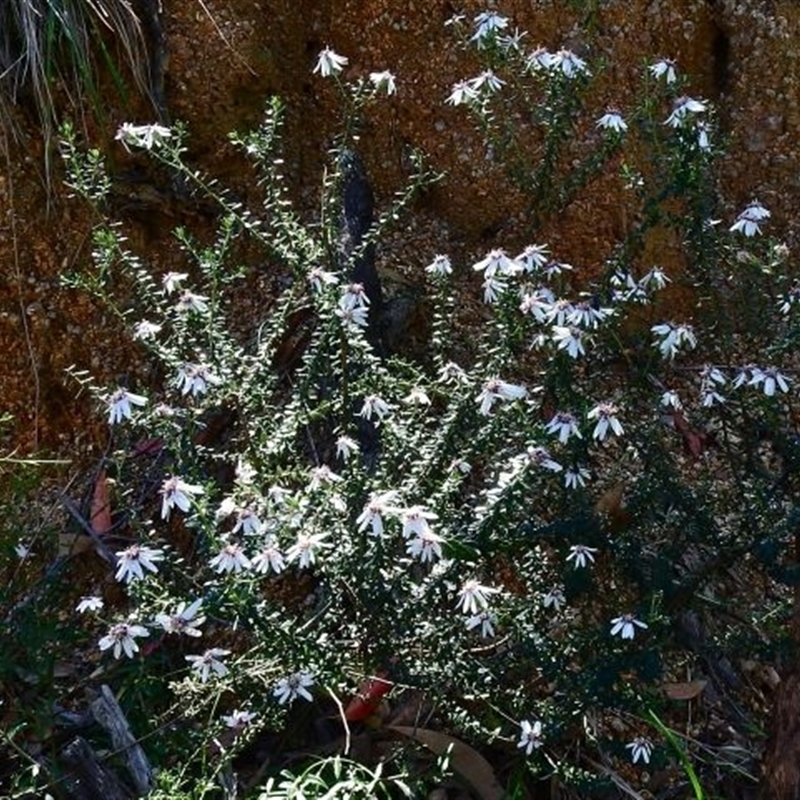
(533, 535)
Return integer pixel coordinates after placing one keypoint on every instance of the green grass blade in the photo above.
(681, 753)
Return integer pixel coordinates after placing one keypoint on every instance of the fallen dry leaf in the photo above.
(684, 691)
(695, 441)
(100, 513)
(467, 762)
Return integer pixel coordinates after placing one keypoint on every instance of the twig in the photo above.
(239, 57)
(616, 778)
(344, 720)
(100, 546)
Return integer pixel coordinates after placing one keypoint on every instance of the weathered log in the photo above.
(109, 715)
(89, 778)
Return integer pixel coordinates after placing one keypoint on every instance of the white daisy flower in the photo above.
(440, 267)
(209, 663)
(175, 492)
(671, 400)
(770, 380)
(553, 268)
(569, 338)
(245, 473)
(231, 558)
(134, 560)
(567, 63)
(374, 405)
(790, 300)
(494, 389)
(532, 258)
(305, 549)
(195, 379)
(484, 620)
(144, 136)
(184, 620)
(320, 279)
(122, 638)
(278, 495)
(374, 511)
(554, 599)
(172, 281)
(512, 41)
(323, 476)
(427, 546)
(269, 557)
(247, 522)
(487, 81)
(417, 396)
(383, 81)
(89, 603)
(538, 59)
(641, 748)
(119, 405)
(145, 330)
(575, 477)
(581, 555)
(585, 314)
(748, 221)
(353, 317)
(655, 279)
(287, 690)
(354, 296)
(540, 457)
(496, 262)
(626, 625)
(415, 520)
(710, 379)
(560, 311)
(664, 68)
(239, 719)
(189, 302)
(612, 120)
(674, 338)
(606, 416)
(703, 141)
(682, 109)
(745, 375)
(492, 289)
(530, 737)
(487, 25)
(473, 597)
(537, 302)
(564, 425)
(346, 447)
(461, 93)
(329, 63)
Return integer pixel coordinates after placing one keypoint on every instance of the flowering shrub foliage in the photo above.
(451, 517)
